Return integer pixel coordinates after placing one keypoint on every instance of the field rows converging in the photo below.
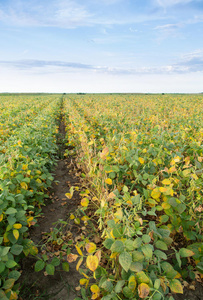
(140, 162)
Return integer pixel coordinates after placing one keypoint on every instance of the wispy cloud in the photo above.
(190, 63)
(169, 3)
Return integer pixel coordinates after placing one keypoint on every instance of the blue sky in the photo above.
(101, 46)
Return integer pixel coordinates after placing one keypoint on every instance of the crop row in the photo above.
(28, 127)
(143, 155)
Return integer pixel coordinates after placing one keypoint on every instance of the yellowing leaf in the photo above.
(90, 247)
(141, 160)
(92, 262)
(176, 286)
(104, 153)
(84, 202)
(17, 226)
(166, 181)
(163, 189)
(155, 193)
(72, 217)
(1, 217)
(94, 288)
(6, 240)
(24, 185)
(143, 290)
(83, 281)
(132, 282)
(108, 181)
(165, 205)
(16, 234)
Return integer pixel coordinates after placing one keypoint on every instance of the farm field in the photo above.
(141, 157)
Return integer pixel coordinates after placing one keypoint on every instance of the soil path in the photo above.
(61, 285)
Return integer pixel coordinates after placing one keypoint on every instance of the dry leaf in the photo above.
(71, 257)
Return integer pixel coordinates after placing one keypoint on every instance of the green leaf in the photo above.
(146, 238)
(127, 292)
(2, 266)
(157, 284)
(10, 211)
(11, 264)
(160, 254)
(136, 267)
(137, 256)
(117, 246)
(185, 252)
(16, 249)
(164, 218)
(181, 208)
(200, 267)
(107, 286)
(108, 243)
(50, 269)
(125, 260)
(147, 250)
(176, 286)
(129, 245)
(40, 264)
(119, 286)
(55, 262)
(137, 242)
(161, 245)
(14, 274)
(65, 266)
(4, 251)
(157, 296)
(3, 296)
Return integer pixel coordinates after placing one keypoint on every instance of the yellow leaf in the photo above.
(163, 189)
(24, 185)
(24, 167)
(85, 219)
(68, 195)
(141, 160)
(155, 193)
(108, 181)
(92, 262)
(79, 263)
(78, 250)
(16, 234)
(72, 217)
(17, 226)
(143, 290)
(90, 247)
(166, 181)
(84, 202)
